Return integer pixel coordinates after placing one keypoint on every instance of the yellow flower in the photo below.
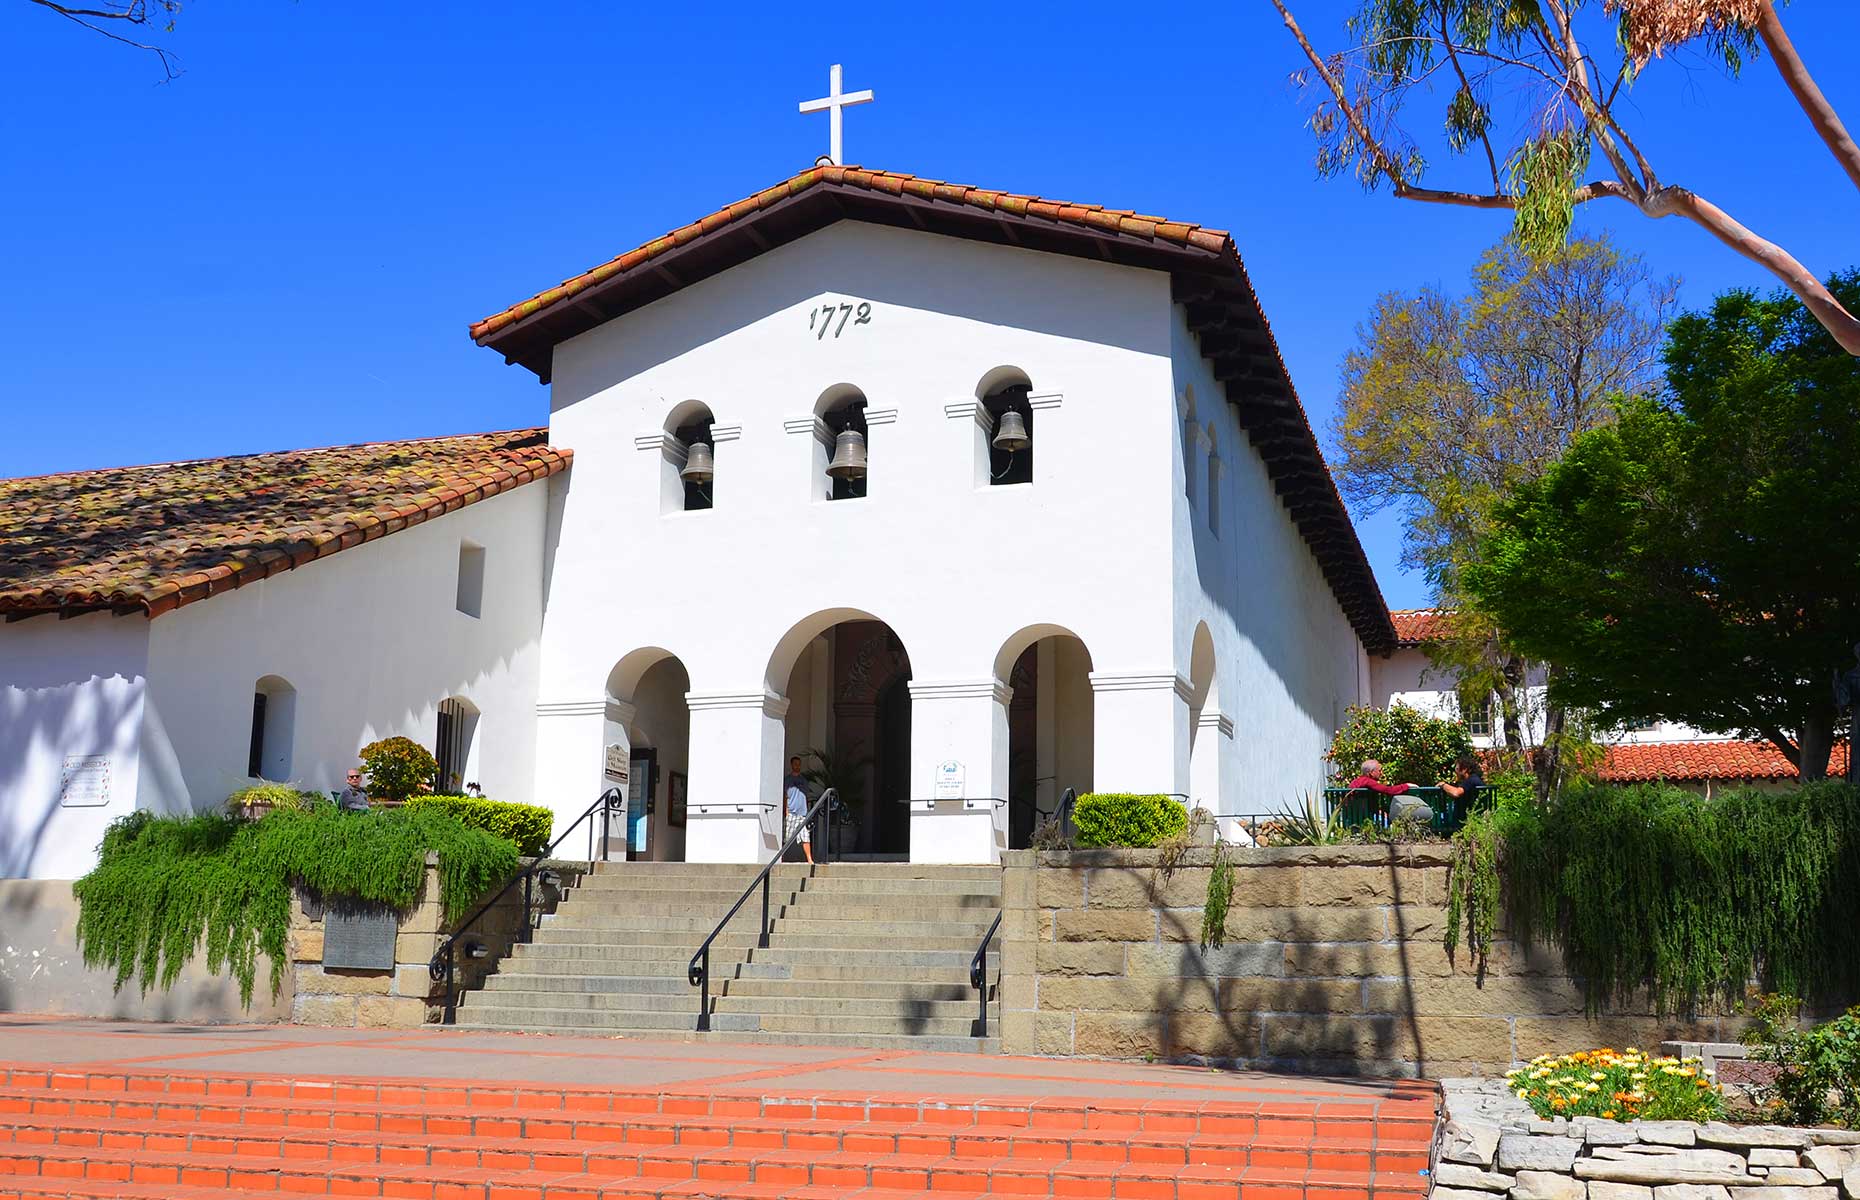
(1591, 1087)
(1597, 1075)
(1609, 1113)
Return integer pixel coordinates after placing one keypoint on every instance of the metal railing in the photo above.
(1360, 806)
(441, 969)
(978, 975)
(699, 970)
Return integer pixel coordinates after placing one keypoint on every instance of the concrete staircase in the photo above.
(862, 954)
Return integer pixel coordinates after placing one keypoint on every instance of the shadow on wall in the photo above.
(39, 728)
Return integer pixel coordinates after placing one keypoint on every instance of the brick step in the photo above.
(1406, 1119)
(894, 1008)
(659, 1168)
(784, 873)
(708, 906)
(485, 1012)
(559, 1145)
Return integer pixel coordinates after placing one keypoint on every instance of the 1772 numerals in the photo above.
(836, 316)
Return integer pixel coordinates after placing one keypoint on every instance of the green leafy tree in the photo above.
(398, 767)
(1536, 92)
(1699, 561)
(1450, 402)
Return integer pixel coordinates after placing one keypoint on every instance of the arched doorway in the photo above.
(847, 681)
(1207, 727)
(647, 748)
(1050, 724)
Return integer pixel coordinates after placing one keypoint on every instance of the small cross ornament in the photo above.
(835, 102)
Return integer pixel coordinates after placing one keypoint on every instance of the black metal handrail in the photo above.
(440, 969)
(978, 974)
(699, 970)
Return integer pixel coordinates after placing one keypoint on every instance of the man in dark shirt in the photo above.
(1467, 782)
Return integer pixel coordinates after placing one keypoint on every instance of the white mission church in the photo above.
(989, 496)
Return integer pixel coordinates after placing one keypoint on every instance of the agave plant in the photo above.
(1308, 825)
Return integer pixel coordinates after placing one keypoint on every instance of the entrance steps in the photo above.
(135, 1132)
(862, 954)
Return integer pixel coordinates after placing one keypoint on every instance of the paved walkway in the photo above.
(631, 1064)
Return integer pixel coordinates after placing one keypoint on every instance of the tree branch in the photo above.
(133, 14)
(1801, 84)
(1484, 138)
(1370, 145)
(1789, 749)
(1670, 200)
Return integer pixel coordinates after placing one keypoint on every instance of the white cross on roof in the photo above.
(836, 102)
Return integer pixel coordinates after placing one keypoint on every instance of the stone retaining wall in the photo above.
(1493, 1147)
(405, 995)
(1333, 962)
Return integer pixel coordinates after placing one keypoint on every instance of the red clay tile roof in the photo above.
(1418, 626)
(150, 539)
(1206, 277)
(1678, 761)
(1093, 217)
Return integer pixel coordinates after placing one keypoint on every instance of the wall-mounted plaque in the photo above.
(85, 781)
(359, 939)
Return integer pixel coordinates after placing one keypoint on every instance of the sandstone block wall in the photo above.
(406, 995)
(1333, 961)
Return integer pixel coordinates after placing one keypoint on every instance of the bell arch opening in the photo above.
(688, 468)
(845, 456)
(1208, 727)
(1005, 394)
(1051, 724)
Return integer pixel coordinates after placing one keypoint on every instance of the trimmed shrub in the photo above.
(1122, 819)
(397, 767)
(1411, 746)
(165, 886)
(525, 825)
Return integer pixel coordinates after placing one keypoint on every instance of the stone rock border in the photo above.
(1492, 1145)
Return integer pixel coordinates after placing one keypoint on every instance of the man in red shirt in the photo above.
(1410, 810)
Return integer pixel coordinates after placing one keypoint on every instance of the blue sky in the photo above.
(283, 247)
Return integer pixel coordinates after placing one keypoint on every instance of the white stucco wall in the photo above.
(955, 567)
(1287, 662)
(68, 688)
(371, 641)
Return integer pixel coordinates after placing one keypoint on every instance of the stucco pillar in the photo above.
(569, 738)
(959, 771)
(733, 809)
(1212, 732)
(1140, 732)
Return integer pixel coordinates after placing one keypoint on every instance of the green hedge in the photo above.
(1659, 888)
(164, 886)
(524, 824)
(1123, 819)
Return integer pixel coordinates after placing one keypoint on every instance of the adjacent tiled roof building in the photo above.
(1418, 626)
(1729, 761)
(149, 539)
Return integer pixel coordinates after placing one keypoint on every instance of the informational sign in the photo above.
(85, 781)
(359, 939)
(616, 764)
(950, 777)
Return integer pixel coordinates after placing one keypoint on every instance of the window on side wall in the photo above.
(470, 597)
(1479, 719)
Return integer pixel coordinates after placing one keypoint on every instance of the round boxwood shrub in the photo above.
(1123, 819)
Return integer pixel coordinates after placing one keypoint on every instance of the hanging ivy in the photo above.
(164, 888)
(1656, 888)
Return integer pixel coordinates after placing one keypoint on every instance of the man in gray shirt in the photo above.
(353, 798)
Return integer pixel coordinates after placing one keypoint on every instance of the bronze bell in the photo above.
(1011, 433)
(700, 464)
(848, 455)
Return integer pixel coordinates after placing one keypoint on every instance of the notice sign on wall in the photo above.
(950, 777)
(616, 764)
(85, 781)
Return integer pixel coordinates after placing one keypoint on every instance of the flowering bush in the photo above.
(1618, 1086)
(1411, 746)
(398, 767)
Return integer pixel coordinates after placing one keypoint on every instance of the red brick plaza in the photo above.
(114, 1109)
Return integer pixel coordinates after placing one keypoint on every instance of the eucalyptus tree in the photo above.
(1561, 71)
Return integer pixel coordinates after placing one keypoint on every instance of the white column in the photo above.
(1140, 732)
(1212, 730)
(732, 810)
(959, 771)
(569, 738)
